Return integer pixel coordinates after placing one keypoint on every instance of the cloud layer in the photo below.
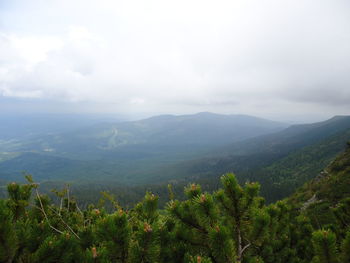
(245, 56)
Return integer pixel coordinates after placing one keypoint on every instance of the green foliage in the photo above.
(62, 248)
(328, 250)
(145, 246)
(8, 238)
(114, 234)
(325, 246)
(345, 248)
(196, 259)
(231, 225)
(18, 198)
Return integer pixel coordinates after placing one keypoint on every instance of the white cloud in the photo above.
(79, 34)
(34, 49)
(180, 56)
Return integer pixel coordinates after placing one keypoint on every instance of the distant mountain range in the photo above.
(178, 149)
(123, 149)
(25, 126)
(281, 161)
(201, 130)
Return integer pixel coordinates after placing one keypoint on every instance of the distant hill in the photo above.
(281, 162)
(279, 172)
(178, 149)
(291, 138)
(201, 130)
(290, 172)
(25, 126)
(127, 151)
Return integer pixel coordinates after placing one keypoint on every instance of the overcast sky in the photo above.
(279, 59)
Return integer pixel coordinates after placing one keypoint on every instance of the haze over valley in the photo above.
(153, 152)
(144, 144)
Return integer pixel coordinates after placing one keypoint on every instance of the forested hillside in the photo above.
(330, 189)
(281, 162)
(124, 152)
(233, 224)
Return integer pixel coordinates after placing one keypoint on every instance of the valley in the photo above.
(151, 153)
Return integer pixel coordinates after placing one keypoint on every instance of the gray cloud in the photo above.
(269, 58)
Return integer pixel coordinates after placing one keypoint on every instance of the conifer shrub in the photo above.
(231, 225)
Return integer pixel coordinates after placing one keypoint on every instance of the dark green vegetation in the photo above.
(130, 158)
(232, 224)
(330, 189)
(281, 162)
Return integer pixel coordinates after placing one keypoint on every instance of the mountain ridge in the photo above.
(146, 143)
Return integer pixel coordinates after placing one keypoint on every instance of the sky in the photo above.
(282, 60)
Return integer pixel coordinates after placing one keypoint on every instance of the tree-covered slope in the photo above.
(330, 189)
(127, 152)
(291, 138)
(231, 225)
(165, 132)
(292, 171)
(281, 162)
(279, 172)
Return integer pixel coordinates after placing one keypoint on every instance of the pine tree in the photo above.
(145, 245)
(59, 248)
(224, 233)
(326, 249)
(198, 226)
(243, 212)
(114, 233)
(342, 215)
(8, 238)
(301, 232)
(345, 249)
(172, 250)
(230, 226)
(19, 196)
(325, 246)
(276, 245)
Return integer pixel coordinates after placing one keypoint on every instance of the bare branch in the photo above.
(43, 211)
(245, 247)
(64, 222)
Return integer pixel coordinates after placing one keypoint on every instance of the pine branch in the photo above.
(68, 196)
(47, 219)
(64, 222)
(45, 215)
